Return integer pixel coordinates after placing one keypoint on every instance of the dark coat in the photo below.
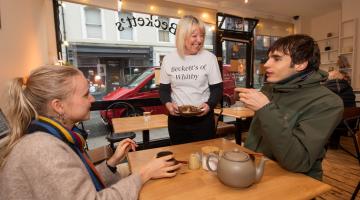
(343, 89)
(295, 126)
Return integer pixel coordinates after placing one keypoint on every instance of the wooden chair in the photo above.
(356, 191)
(223, 129)
(351, 119)
(100, 154)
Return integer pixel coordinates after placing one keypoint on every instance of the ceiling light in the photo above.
(246, 1)
(119, 5)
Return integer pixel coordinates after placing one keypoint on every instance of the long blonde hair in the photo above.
(183, 30)
(29, 98)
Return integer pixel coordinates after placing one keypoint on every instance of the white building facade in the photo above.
(116, 46)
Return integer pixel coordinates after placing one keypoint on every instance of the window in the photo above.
(127, 33)
(209, 34)
(262, 44)
(164, 34)
(93, 22)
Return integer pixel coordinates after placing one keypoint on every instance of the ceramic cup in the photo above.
(206, 151)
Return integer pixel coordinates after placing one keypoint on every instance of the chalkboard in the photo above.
(4, 125)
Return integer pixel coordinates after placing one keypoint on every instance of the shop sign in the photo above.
(130, 22)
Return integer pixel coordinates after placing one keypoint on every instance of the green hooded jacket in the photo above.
(294, 127)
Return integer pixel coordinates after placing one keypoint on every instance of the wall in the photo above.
(319, 28)
(350, 10)
(328, 23)
(27, 39)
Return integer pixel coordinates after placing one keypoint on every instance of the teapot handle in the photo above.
(208, 159)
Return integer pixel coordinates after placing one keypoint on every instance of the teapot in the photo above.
(236, 168)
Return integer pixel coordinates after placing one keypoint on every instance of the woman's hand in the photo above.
(121, 150)
(205, 109)
(172, 108)
(159, 168)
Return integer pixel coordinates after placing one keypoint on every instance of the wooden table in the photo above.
(128, 124)
(276, 183)
(239, 113)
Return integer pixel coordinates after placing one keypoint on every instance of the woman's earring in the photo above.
(61, 117)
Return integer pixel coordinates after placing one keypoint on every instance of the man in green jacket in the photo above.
(294, 114)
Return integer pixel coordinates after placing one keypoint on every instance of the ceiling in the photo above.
(270, 8)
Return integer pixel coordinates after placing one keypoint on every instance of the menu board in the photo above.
(4, 125)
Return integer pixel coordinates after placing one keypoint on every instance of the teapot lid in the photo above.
(236, 155)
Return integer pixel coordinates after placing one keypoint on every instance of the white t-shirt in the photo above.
(190, 77)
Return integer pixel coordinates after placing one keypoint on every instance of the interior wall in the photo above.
(350, 10)
(27, 39)
(274, 28)
(328, 23)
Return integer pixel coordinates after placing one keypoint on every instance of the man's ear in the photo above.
(57, 106)
(300, 67)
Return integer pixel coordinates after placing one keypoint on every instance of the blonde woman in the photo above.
(338, 84)
(45, 158)
(190, 76)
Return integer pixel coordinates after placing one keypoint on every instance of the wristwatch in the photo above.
(112, 169)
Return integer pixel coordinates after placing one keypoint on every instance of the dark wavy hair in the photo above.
(300, 48)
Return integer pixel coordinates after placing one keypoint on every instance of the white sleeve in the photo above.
(214, 73)
(164, 76)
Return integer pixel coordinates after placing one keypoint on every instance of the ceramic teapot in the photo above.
(236, 168)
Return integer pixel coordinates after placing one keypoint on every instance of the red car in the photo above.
(143, 87)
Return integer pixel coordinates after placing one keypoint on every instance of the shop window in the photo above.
(164, 34)
(209, 34)
(262, 44)
(93, 22)
(127, 33)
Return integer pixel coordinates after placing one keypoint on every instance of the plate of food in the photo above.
(189, 110)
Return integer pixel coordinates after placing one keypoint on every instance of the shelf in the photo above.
(328, 63)
(345, 53)
(347, 37)
(328, 38)
(347, 21)
(346, 69)
(329, 51)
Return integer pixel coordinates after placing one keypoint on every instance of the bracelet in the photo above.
(111, 168)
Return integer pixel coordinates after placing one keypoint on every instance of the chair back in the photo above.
(351, 117)
(119, 109)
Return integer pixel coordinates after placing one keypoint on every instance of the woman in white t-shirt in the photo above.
(190, 76)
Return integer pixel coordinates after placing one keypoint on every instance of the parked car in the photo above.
(143, 87)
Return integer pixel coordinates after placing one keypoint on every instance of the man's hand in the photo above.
(252, 98)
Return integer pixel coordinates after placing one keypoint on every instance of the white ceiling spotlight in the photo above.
(246, 1)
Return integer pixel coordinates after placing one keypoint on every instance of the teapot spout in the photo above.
(260, 169)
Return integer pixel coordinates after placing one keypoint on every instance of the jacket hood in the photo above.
(300, 80)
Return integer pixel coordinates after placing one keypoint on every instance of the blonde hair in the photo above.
(29, 98)
(183, 31)
(343, 62)
(335, 74)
